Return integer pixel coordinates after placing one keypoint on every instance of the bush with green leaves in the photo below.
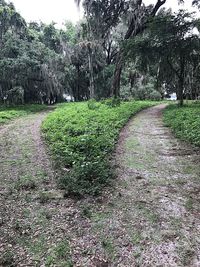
(93, 104)
(155, 96)
(184, 121)
(82, 139)
(126, 92)
(112, 102)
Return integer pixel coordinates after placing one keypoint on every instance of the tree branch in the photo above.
(157, 7)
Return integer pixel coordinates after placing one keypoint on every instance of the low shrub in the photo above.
(82, 139)
(155, 96)
(93, 104)
(112, 102)
(184, 121)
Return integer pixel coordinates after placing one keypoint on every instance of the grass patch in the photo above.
(184, 121)
(86, 212)
(57, 254)
(147, 213)
(44, 197)
(82, 137)
(9, 113)
(30, 182)
(108, 245)
(60, 255)
(26, 182)
(189, 204)
(136, 238)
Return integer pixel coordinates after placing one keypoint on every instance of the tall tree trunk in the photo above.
(91, 71)
(136, 27)
(180, 91)
(117, 75)
(77, 97)
(181, 79)
(90, 55)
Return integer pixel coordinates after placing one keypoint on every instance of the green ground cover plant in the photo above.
(184, 121)
(82, 137)
(9, 113)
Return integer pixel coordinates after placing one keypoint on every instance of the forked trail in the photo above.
(151, 218)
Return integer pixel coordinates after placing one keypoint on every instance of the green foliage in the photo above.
(9, 113)
(155, 95)
(146, 92)
(168, 51)
(83, 139)
(142, 92)
(31, 60)
(126, 92)
(108, 245)
(44, 197)
(60, 255)
(104, 81)
(112, 102)
(184, 121)
(26, 182)
(93, 104)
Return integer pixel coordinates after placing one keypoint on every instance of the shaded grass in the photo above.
(60, 255)
(184, 121)
(9, 113)
(108, 245)
(57, 255)
(82, 137)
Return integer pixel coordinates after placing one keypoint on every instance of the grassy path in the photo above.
(22, 152)
(151, 218)
(26, 178)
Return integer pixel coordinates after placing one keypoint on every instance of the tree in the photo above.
(30, 71)
(171, 45)
(139, 18)
(101, 17)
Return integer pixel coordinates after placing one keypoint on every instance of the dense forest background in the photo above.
(120, 48)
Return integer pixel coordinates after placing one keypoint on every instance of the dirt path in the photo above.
(26, 177)
(150, 219)
(161, 192)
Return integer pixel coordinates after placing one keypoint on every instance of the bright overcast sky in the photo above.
(61, 10)
(47, 10)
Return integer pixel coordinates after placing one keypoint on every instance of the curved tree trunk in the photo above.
(136, 26)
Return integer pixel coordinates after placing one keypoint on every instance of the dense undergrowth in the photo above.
(9, 113)
(82, 136)
(184, 121)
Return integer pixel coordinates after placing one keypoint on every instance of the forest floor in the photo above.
(150, 218)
